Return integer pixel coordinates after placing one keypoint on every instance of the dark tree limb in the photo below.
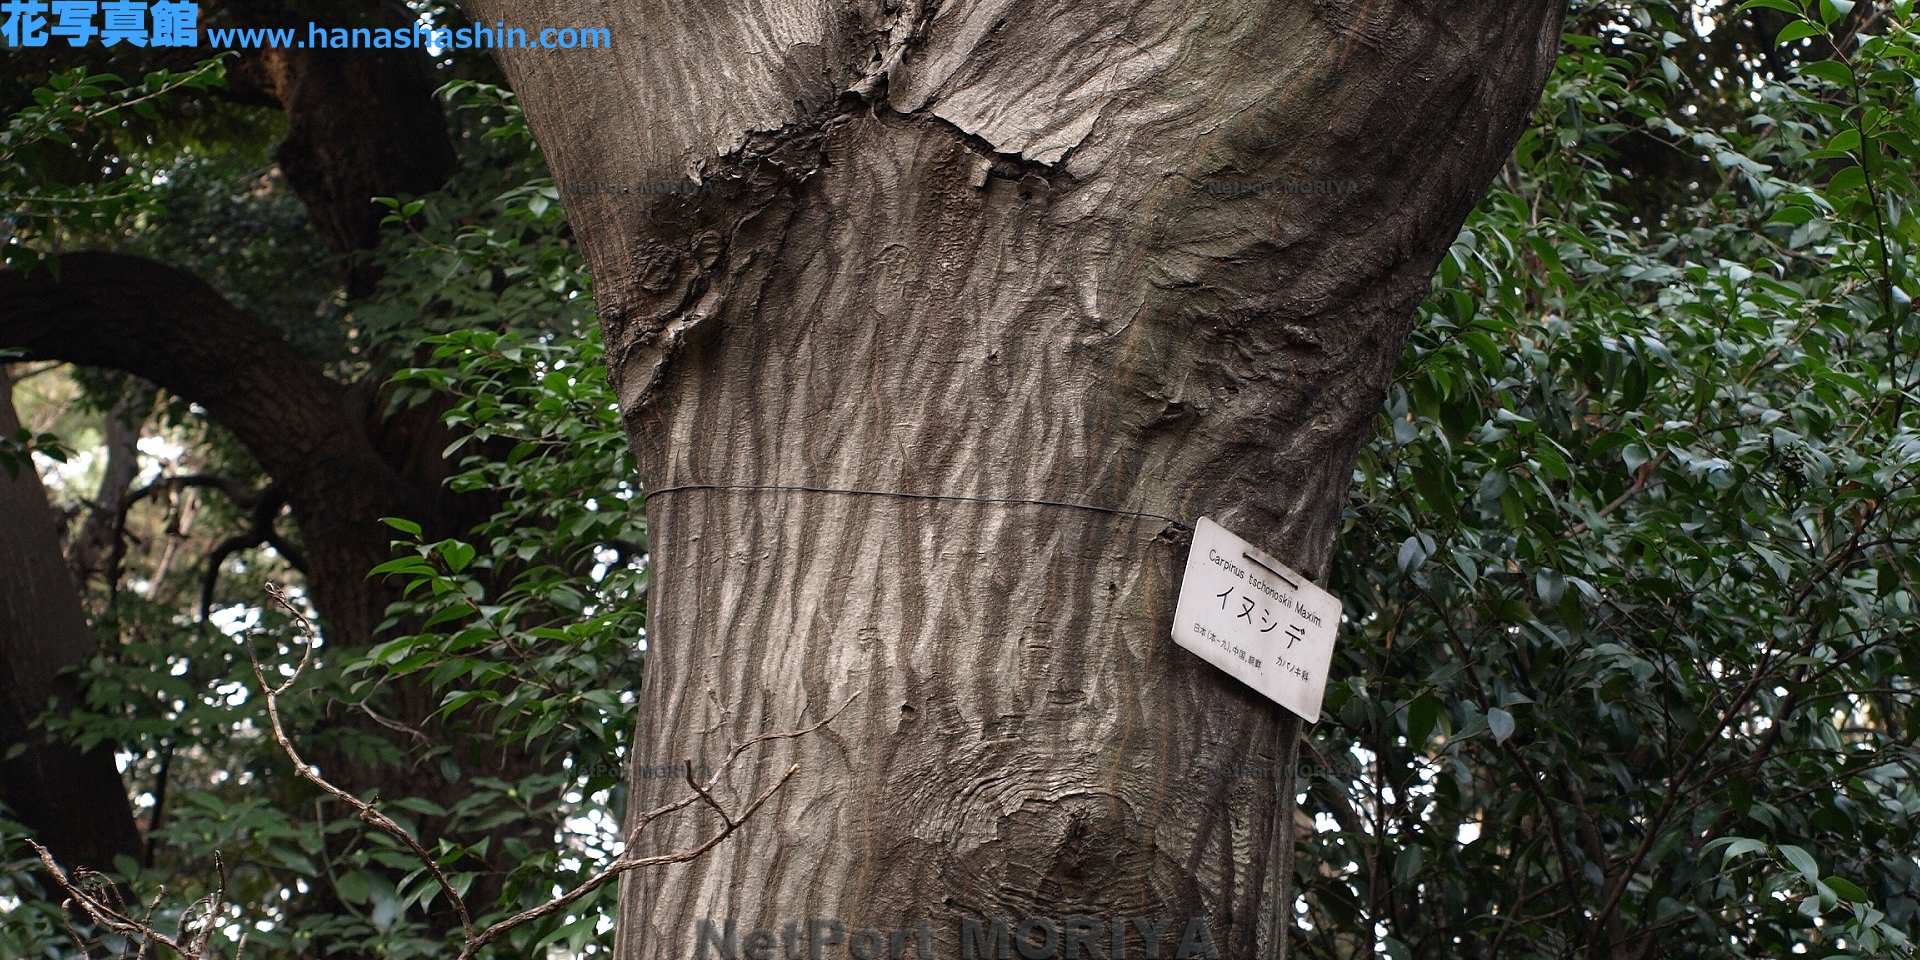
(154, 819)
(238, 492)
(266, 510)
(338, 464)
(315, 437)
(98, 549)
(360, 123)
(169, 327)
(73, 800)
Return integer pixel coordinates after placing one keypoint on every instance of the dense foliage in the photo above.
(1630, 568)
(483, 281)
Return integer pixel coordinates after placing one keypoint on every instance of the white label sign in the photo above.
(1250, 615)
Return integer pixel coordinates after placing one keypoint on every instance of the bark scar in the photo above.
(909, 25)
(678, 279)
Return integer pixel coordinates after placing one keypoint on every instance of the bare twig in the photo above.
(394, 725)
(194, 942)
(628, 861)
(100, 899)
(369, 814)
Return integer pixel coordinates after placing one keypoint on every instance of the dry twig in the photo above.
(100, 900)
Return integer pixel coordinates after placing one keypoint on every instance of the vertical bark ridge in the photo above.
(1014, 273)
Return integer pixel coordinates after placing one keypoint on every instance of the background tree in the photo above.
(73, 798)
(353, 462)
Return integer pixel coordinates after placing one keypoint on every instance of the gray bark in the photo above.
(1050, 251)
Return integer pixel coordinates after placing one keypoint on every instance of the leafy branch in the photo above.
(99, 898)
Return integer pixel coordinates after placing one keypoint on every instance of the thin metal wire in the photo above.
(1003, 501)
(1278, 890)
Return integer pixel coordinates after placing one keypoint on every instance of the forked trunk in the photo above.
(1076, 259)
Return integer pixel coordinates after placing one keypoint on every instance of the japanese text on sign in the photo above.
(1253, 617)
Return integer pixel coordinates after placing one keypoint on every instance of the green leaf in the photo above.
(1839, 74)
(1423, 714)
(1802, 861)
(404, 526)
(402, 565)
(419, 805)
(1500, 723)
(1845, 182)
(1607, 443)
(1552, 463)
(295, 859)
(457, 554)
(1738, 846)
(566, 600)
(1438, 494)
(447, 615)
(1407, 865)
(1798, 30)
(352, 887)
(1412, 554)
(1847, 890)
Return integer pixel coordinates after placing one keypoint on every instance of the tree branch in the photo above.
(97, 897)
(169, 327)
(316, 438)
(194, 942)
(266, 510)
(234, 489)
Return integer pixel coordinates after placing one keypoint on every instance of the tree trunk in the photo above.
(360, 123)
(72, 800)
(1154, 258)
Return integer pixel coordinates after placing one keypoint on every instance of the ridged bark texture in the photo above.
(1155, 257)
